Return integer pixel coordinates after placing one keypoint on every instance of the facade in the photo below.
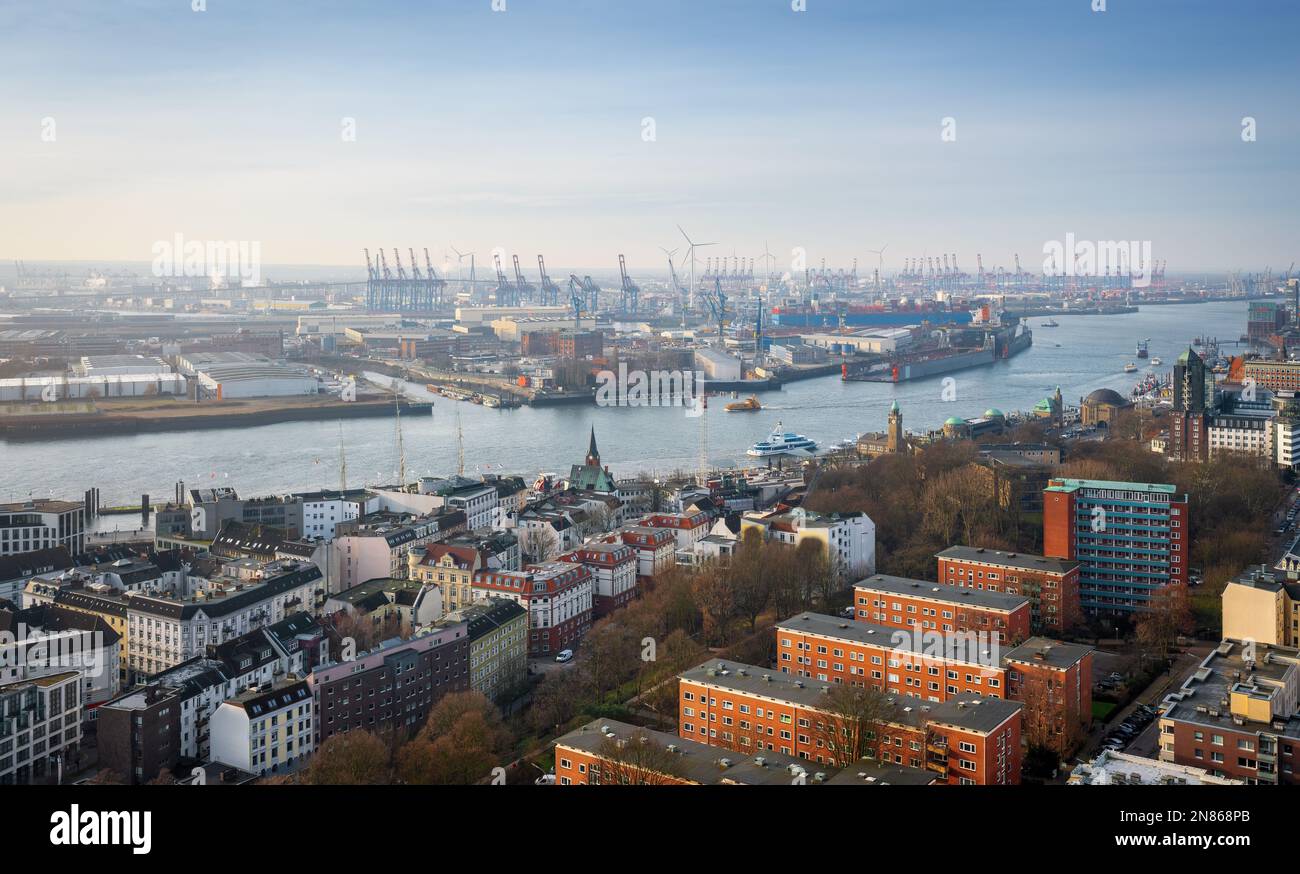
(393, 686)
(1194, 404)
(265, 730)
(1273, 374)
(369, 548)
(40, 727)
(1262, 606)
(1132, 539)
(848, 540)
(655, 548)
(47, 639)
(1054, 682)
(899, 602)
(1235, 716)
(17, 569)
(41, 523)
(450, 568)
(559, 598)
(406, 603)
(968, 740)
(1050, 584)
(498, 646)
(688, 528)
(613, 568)
(322, 511)
(827, 649)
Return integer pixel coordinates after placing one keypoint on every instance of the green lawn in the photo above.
(1102, 709)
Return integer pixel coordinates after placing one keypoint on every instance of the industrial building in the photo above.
(718, 366)
(231, 375)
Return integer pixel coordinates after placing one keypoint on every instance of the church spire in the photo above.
(593, 454)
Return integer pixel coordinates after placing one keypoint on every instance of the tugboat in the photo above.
(749, 405)
(1142, 348)
(1051, 323)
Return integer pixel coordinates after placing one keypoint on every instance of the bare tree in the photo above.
(637, 761)
(853, 717)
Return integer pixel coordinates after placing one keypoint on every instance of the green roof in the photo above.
(993, 413)
(1070, 485)
(954, 420)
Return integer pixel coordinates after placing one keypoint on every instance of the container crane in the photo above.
(550, 291)
(631, 293)
(507, 294)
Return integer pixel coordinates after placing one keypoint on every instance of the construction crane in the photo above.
(631, 294)
(550, 291)
(507, 294)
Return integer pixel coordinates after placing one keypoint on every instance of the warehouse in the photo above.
(57, 388)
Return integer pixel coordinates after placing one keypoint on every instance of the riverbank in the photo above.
(79, 420)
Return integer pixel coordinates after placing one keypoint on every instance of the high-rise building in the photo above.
(1193, 402)
(40, 523)
(1131, 538)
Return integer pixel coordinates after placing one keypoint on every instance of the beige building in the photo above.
(1261, 608)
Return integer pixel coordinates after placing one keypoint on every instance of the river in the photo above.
(1083, 354)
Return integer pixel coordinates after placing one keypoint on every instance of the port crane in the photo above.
(631, 293)
(550, 291)
(589, 289)
(507, 294)
(717, 302)
(526, 291)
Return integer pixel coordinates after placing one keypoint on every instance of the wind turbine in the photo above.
(880, 264)
(460, 271)
(690, 253)
(769, 258)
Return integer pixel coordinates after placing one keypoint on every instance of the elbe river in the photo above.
(1083, 354)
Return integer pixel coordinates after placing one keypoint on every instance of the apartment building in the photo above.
(900, 602)
(655, 548)
(394, 685)
(48, 639)
(967, 740)
(498, 645)
(42, 523)
(1132, 539)
(376, 546)
(450, 568)
(265, 730)
(559, 597)
(1053, 680)
(1236, 715)
(613, 568)
(687, 528)
(848, 540)
(932, 666)
(1264, 606)
(40, 727)
(1050, 584)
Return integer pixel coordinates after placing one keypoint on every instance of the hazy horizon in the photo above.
(525, 130)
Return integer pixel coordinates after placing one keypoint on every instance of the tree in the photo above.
(1168, 616)
(716, 594)
(1048, 720)
(636, 761)
(854, 716)
(750, 582)
(463, 739)
(539, 542)
(352, 758)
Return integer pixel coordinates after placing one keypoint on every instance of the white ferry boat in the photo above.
(780, 442)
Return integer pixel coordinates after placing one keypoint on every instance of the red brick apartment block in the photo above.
(965, 740)
(1050, 584)
(900, 602)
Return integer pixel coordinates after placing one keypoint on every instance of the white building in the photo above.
(849, 539)
(322, 511)
(265, 730)
(58, 641)
(59, 388)
(718, 366)
(1242, 433)
(27, 526)
(40, 723)
(1122, 769)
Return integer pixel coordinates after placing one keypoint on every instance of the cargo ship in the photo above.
(837, 313)
(1142, 347)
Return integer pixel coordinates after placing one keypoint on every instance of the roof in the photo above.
(969, 712)
(1021, 560)
(1204, 697)
(693, 761)
(889, 775)
(869, 633)
(40, 561)
(484, 617)
(982, 598)
(1044, 650)
(1106, 396)
(1063, 484)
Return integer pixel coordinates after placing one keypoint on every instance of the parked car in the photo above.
(564, 655)
(545, 780)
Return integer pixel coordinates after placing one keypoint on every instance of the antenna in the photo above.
(401, 450)
(460, 445)
(343, 462)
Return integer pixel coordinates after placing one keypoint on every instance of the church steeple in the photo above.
(593, 454)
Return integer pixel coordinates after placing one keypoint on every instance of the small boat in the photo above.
(1051, 323)
(1142, 349)
(1156, 362)
(749, 405)
(780, 442)
(434, 389)
(1130, 367)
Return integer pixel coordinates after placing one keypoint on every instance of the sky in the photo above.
(582, 129)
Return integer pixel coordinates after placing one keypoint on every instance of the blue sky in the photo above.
(523, 129)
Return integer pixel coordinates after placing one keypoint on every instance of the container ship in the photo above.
(838, 313)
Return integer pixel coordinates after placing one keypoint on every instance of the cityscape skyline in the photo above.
(528, 130)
